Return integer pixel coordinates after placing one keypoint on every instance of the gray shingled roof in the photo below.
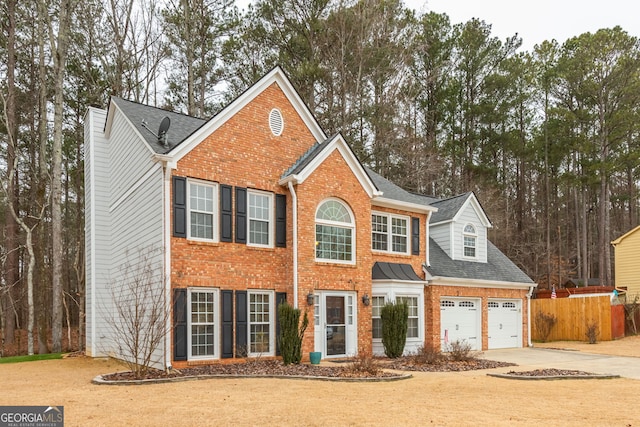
(307, 157)
(392, 191)
(497, 268)
(448, 208)
(181, 125)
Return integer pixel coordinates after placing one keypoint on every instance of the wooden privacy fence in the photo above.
(574, 315)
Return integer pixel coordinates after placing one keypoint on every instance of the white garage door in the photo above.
(505, 323)
(460, 321)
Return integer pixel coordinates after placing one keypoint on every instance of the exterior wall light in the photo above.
(310, 298)
(365, 299)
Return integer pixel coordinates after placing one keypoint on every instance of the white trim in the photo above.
(471, 200)
(475, 283)
(427, 249)
(155, 168)
(92, 231)
(337, 143)
(390, 234)
(275, 76)
(383, 202)
(271, 222)
(215, 213)
(272, 317)
(294, 209)
(167, 261)
(351, 226)
(217, 329)
(473, 235)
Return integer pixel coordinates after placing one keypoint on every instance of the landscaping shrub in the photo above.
(592, 332)
(460, 351)
(544, 324)
(291, 333)
(364, 365)
(428, 355)
(395, 319)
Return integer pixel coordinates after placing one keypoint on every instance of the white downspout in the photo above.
(529, 316)
(294, 209)
(167, 263)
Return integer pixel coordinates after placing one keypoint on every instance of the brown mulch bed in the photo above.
(255, 368)
(407, 364)
(275, 368)
(551, 373)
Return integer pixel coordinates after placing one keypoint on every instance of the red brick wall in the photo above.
(432, 308)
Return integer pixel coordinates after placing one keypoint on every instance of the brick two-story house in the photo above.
(256, 206)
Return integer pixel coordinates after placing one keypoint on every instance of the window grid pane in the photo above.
(412, 323)
(201, 210)
(377, 302)
(202, 324)
(259, 218)
(379, 230)
(399, 234)
(259, 323)
(333, 243)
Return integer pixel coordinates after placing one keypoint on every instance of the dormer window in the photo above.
(469, 241)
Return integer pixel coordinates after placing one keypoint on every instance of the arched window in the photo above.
(334, 232)
(469, 241)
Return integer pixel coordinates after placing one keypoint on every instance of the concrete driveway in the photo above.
(539, 358)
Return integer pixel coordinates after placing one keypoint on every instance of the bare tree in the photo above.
(139, 313)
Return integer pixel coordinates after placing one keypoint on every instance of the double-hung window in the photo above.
(261, 321)
(203, 337)
(377, 302)
(260, 219)
(203, 216)
(334, 232)
(412, 322)
(389, 233)
(469, 237)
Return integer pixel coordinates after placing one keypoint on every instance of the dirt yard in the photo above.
(457, 398)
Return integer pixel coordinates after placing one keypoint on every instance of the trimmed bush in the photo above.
(544, 323)
(291, 333)
(395, 319)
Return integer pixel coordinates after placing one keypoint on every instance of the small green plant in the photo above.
(544, 324)
(593, 331)
(427, 355)
(363, 365)
(291, 333)
(394, 328)
(460, 351)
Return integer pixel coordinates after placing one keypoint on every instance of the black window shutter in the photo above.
(281, 220)
(415, 236)
(241, 324)
(179, 206)
(227, 324)
(225, 213)
(241, 215)
(179, 324)
(281, 297)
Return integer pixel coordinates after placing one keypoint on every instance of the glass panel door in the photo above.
(336, 327)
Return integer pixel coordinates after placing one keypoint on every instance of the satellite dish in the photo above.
(163, 129)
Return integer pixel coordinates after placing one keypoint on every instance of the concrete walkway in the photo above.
(539, 358)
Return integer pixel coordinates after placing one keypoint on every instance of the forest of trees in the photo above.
(549, 140)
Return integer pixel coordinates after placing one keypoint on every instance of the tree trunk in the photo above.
(60, 56)
(11, 227)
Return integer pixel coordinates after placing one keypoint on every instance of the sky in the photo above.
(539, 20)
(535, 20)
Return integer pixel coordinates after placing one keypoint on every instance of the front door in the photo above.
(335, 324)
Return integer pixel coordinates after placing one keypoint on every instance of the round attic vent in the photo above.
(276, 123)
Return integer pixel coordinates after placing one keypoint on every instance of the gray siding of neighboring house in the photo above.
(132, 185)
(97, 228)
(469, 216)
(442, 236)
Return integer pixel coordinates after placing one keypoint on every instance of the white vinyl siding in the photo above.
(441, 234)
(466, 217)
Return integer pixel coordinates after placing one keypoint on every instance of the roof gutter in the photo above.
(476, 283)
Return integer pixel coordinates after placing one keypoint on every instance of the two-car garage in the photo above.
(461, 320)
